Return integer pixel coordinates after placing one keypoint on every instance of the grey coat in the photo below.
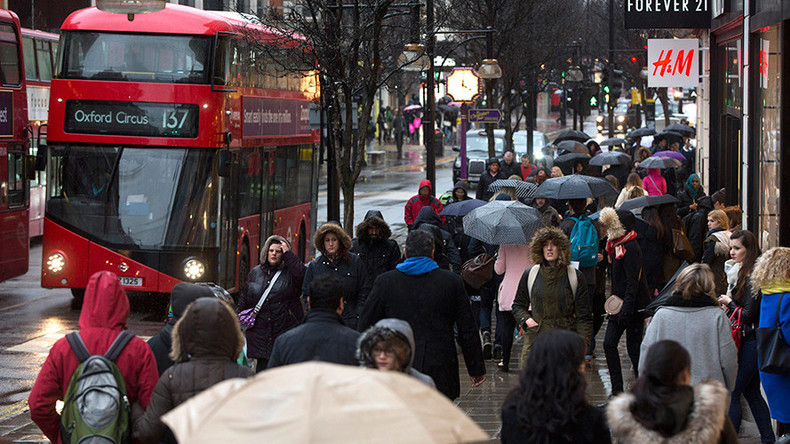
(705, 333)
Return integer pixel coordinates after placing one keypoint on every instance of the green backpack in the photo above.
(96, 408)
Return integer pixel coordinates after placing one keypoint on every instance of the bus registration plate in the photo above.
(131, 281)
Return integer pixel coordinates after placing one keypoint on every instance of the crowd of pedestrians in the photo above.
(692, 293)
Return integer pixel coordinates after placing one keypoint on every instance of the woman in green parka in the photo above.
(557, 296)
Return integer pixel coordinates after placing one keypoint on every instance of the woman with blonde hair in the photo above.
(771, 278)
(716, 248)
(692, 317)
(633, 188)
(556, 172)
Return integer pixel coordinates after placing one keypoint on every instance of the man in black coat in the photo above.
(509, 165)
(448, 257)
(323, 336)
(374, 246)
(488, 177)
(431, 300)
(181, 296)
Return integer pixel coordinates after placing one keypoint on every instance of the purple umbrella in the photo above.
(671, 154)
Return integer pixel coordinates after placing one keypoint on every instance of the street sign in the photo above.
(485, 115)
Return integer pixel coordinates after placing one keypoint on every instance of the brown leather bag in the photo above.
(682, 245)
(478, 270)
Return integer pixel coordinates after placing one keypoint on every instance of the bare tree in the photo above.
(345, 41)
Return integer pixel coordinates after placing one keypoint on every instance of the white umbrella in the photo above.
(319, 402)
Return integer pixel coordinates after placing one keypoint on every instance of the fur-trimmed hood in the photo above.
(269, 241)
(208, 329)
(706, 420)
(558, 238)
(771, 269)
(329, 227)
(384, 330)
(373, 218)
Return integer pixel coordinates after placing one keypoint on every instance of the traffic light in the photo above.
(593, 96)
(606, 95)
(616, 85)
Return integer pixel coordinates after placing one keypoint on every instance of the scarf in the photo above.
(691, 190)
(616, 249)
(415, 266)
(775, 287)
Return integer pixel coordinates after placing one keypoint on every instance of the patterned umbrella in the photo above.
(502, 222)
(575, 186)
(523, 189)
(462, 208)
(611, 158)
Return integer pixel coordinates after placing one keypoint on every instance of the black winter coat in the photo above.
(589, 428)
(750, 313)
(652, 253)
(697, 225)
(381, 254)
(322, 337)
(685, 200)
(432, 303)
(160, 344)
(452, 258)
(282, 309)
(513, 170)
(356, 284)
(629, 283)
(487, 179)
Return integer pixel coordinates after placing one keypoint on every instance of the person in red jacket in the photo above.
(103, 317)
(422, 199)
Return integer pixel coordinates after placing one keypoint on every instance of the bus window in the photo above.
(44, 59)
(9, 57)
(16, 179)
(249, 182)
(29, 50)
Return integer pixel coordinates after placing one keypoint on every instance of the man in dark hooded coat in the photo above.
(488, 177)
(449, 250)
(373, 245)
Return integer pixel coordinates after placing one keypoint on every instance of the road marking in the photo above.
(43, 344)
(13, 409)
(29, 302)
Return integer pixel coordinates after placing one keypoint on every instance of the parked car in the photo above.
(625, 117)
(477, 153)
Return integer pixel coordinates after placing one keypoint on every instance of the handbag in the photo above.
(773, 353)
(478, 270)
(681, 245)
(247, 317)
(736, 326)
(613, 305)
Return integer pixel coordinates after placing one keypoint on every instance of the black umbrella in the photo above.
(572, 146)
(659, 162)
(613, 141)
(449, 109)
(685, 130)
(664, 294)
(523, 189)
(575, 186)
(462, 208)
(502, 222)
(572, 157)
(671, 136)
(642, 132)
(576, 135)
(611, 158)
(648, 201)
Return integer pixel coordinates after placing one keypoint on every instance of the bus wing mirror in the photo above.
(41, 157)
(30, 167)
(223, 161)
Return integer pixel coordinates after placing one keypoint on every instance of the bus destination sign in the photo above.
(147, 119)
(275, 117)
(6, 114)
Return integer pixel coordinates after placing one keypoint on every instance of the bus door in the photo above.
(229, 226)
(267, 195)
(13, 211)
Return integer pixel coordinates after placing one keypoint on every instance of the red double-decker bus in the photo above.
(174, 148)
(39, 49)
(14, 185)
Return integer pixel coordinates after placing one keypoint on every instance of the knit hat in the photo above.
(184, 294)
(627, 218)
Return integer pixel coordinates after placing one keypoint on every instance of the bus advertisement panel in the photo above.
(172, 156)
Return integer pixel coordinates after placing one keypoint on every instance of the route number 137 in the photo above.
(174, 119)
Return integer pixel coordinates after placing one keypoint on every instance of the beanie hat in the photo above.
(184, 294)
(627, 218)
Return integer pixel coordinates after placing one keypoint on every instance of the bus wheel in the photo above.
(244, 269)
(78, 295)
(302, 247)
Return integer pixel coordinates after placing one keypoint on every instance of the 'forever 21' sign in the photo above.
(132, 118)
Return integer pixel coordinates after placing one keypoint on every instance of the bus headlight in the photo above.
(194, 269)
(56, 262)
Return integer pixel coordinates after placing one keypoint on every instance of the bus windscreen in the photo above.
(136, 57)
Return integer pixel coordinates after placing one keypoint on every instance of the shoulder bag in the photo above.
(773, 353)
(681, 245)
(478, 270)
(247, 317)
(736, 326)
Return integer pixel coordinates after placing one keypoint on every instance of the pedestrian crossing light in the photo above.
(593, 102)
(606, 89)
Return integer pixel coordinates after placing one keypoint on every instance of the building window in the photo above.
(733, 82)
(767, 98)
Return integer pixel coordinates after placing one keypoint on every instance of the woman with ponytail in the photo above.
(664, 407)
(549, 405)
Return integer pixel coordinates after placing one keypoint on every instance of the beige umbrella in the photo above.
(320, 402)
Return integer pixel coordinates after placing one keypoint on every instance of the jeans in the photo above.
(747, 383)
(508, 328)
(614, 331)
